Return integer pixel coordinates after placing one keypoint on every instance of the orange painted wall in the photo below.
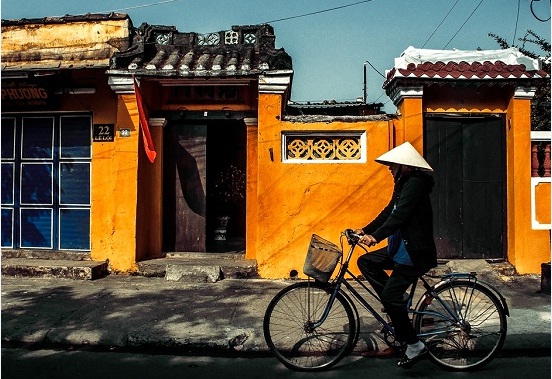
(486, 99)
(526, 256)
(252, 176)
(114, 192)
(296, 200)
(149, 213)
(411, 123)
(542, 196)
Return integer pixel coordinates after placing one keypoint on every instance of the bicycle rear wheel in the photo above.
(290, 334)
(475, 339)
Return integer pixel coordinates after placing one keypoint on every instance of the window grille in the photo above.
(324, 147)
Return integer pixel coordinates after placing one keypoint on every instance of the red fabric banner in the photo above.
(148, 141)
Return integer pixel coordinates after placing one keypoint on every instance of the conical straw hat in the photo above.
(404, 154)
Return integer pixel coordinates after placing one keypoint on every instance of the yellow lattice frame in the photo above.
(316, 146)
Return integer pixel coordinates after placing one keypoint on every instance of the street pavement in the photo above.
(151, 314)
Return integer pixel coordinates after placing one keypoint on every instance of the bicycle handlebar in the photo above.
(352, 237)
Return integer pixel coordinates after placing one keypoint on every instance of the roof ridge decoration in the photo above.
(427, 64)
(162, 51)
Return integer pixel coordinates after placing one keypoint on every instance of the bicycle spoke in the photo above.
(471, 341)
(290, 332)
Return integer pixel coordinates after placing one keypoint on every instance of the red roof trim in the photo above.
(464, 70)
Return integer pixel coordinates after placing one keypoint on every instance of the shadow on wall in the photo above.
(190, 181)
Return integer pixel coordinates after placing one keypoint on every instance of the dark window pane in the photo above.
(75, 137)
(74, 227)
(8, 138)
(75, 183)
(7, 183)
(36, 228)
(37, 138)
(36, 183)
(7, 227)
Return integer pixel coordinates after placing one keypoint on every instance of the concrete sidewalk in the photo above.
(133, 313)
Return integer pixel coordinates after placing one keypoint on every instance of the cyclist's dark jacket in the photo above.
(410, 211)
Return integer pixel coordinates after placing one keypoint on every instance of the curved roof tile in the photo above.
(464, 65)
(163, 51)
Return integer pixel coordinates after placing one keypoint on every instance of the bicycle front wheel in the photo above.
(475, 338)
(290, 330)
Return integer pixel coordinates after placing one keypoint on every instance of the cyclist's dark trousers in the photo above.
(391, 289)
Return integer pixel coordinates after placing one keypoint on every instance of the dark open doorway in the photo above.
(200, 160)
(226, 181)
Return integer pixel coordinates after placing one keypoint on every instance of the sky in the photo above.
(329, 41)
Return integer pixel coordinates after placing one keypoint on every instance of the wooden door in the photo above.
(184, 177)
(469, 199)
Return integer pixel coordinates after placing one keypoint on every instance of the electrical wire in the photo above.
(515, 29)
(533, 12)
(318, 12)
(141, 6)
(441, 23)
(383, 76)
(465, 22)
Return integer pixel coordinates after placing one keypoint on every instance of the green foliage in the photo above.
(540, 105)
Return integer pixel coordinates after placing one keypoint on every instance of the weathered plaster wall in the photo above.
(64, 44)
(114, 191)
(149, 213)
(527, 248)
(295, 200)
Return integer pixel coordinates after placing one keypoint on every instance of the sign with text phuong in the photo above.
(25, 95)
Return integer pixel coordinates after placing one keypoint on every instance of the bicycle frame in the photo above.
(460, 319)
(452, 316)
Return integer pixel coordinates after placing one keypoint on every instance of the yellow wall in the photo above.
(527, 248)
(542, 196)
(149, 225)
(252, 176)
(411, 123)
(488, 99)
(295, 200)
(114, 192)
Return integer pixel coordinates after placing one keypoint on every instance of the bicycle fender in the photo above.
(498, 294)
(473, 276)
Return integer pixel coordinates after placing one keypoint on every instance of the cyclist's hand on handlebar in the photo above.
(360, 232)
(368, 240)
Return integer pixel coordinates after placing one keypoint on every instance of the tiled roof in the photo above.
(332, 107)
(66, 19)
(464, 65)
(163, 51)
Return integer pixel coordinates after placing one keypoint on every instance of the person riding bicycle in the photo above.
(407, 223)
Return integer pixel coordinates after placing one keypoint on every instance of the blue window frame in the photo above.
(46, 171)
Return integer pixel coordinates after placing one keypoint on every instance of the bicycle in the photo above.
(312, 325)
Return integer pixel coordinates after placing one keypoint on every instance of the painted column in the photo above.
(251, 210)
(410, 105)
(526, 257)
(273, 90)
(114, 186)
(149, 217)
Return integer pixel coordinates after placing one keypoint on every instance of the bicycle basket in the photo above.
(322, 257)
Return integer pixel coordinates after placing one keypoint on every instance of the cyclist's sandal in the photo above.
(406, 362)
(385, 353)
